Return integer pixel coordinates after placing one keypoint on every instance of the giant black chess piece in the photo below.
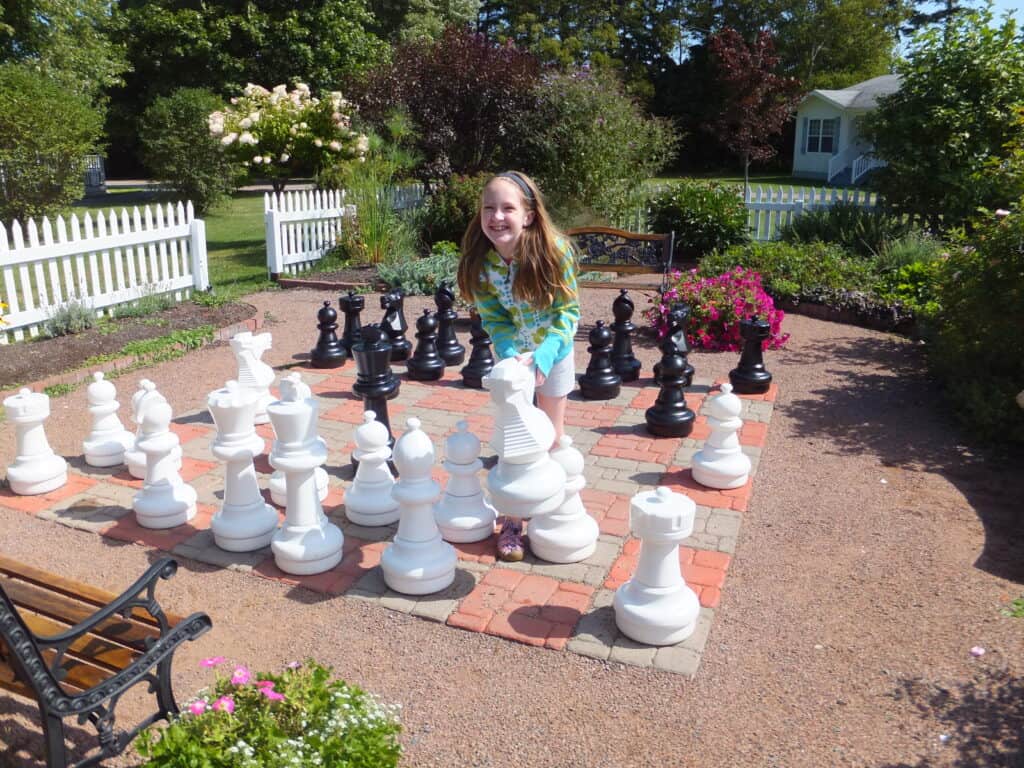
(623, 361)
(678, 318)
(448, 345)
(669, 416)
(750, 377)
(600, 382)
(394, 324)
(328, 352)
(425, 364)
(481, 360)
(351, 304)
(375, 382)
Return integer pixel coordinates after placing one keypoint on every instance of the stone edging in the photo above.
(846, 316)
(329, 285)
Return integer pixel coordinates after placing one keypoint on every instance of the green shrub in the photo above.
(915, 246)
(706, 216)
(914, 287)
(450, 207)
(69, 318)
(422, 276)
(864, 231)
(147, 305)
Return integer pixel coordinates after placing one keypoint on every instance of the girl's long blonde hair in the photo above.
(539, 277)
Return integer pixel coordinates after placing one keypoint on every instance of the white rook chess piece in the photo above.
(244, 522)
(655, 606)
(417, 562)
(721, 463)
(253, 373)
(165, 499)
(369, 500)
(36, 468)
(278, 492)
(145, 396)
(307, 542)
(463, 514)
(568, 534)
(107, 442)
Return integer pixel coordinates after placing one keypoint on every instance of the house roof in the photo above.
(863, 95)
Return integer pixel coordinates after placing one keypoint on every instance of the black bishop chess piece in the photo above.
(375, 382)
(395, 325)
(678, 319)
(328, 352)
(448, 345)
(750, 377)
(481, 359)
(351, 304)
(425, 364)
(669, 416)
(623, 361)
(600, 382)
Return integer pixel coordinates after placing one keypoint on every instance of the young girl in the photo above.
(520, 272)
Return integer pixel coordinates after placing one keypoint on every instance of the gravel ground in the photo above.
(878, 550)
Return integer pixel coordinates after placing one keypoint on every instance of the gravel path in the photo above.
(878, 550)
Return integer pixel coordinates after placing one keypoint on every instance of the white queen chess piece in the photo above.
(108, 439)
(165, 499)
(655, 606)
(244, 522)
(418, 561)
(253, 374)
(463, 514)
(36, 468)
(145, 396)
(569, 534)
(278, 492)
(369, 500)
(721, 463)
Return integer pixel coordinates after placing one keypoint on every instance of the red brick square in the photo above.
(469, 621)
(188, 432)
(75, 485)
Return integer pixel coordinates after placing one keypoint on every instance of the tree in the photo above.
(416, 19)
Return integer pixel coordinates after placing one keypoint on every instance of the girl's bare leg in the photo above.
(554, 407)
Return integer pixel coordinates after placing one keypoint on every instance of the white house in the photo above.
(828, 145)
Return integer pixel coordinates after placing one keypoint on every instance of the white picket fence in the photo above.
(98, 261)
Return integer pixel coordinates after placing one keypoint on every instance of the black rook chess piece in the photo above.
(600, 382)
(627, 366)
(448, 345)
(750, 377)
(351, 304)
(669, 416)
(425, 364)
(480, 359)
(678, 317)
(375, 381)
(394, 324)
(328, 352)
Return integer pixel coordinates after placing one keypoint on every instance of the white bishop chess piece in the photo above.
(278, 492)
(108, 440)
(165, 499)
(307, 542)
(244, 522)
(463, 514)
(418, 561)
(369, 501)
(36, 468)
(655, 606)
(721, 463)
(253, 374)
(145, 396)
(569, 534)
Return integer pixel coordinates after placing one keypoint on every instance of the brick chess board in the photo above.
(559, 607)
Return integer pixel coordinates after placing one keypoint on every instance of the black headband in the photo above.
(519, 182)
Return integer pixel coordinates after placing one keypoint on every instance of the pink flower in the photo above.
(271, 694)
(224, 704)
(294, 664)
(264, 683)
(212, 661)
(197, 707)
(240, 676)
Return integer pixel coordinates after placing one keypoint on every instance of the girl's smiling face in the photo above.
(503, 216)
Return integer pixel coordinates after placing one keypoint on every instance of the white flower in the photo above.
(281, 90)
(302, 87)
(362, 144)
(216, 123)
(255, 116)
(247, 138)
(251, 89)
(285, 157)
(1002, 213)
(317, 143)
(234, 99)
(245, 123)
(293, 130)
(229, 139)
(257, 160)
(335, 146)
(303, 126)
(274, 99)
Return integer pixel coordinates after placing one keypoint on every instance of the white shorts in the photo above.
(561, 378)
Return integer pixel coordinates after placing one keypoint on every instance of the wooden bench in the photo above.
(76, 650)
(626, 252)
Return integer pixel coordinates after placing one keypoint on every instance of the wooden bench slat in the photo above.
(91, 648)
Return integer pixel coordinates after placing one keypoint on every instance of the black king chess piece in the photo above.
(678, 318)
(375, 382)
(351, 304)
(425, 364)
(623, 361)
(448, 345)
(328, 352)
(481, 360)
(669, 416)
(394, 324)
(750, 377)
(600, 382)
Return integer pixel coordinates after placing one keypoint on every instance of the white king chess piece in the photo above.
(165, 501)
(278, 492)
(418, 561)
(369, 500)
(108, 440)
(244, 522)
(253, 374)
(36, 468)
(721, 463)
(655, 606)
(463, 514)
(307, 542)
(145, 396)
(569, 534)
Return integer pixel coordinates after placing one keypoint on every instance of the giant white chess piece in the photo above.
(253, 373)
(655, 606)
(568, 534)
(165, 499)
(463, 514)
(369, 500)
(36, 468)
(721, 463)
(278, 492)
(108, 440)
(145, 396)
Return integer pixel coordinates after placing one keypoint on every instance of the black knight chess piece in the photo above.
(750, 377)
(448, 345)
(425, 364)
(600, 382)
(328, 352)
(375, 382)
(351, 304)
(678, 318)
(623, 361)
(481, 360)
(394, 324)
(669, 416)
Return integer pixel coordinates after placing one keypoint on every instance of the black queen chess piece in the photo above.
(395, 325)
(448, 345)
(481, 359)
(623, 361)
(678, 319)
(669, 416)
(351, 304)
(600, 382)
(328, 352)
(425, 364)
(375, 382)
(750, 377)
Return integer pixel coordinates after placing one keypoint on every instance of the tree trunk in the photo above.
(746, 177)
(278, 185)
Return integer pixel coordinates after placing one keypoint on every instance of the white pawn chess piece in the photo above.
(655, 606)
(721, 463)
(278, 491)
(253, 373)
(369, 500)
(569, 534)
(244, 521)
(36, 468)
(307, 542)
(418, 561)
(463, 514)
(144, 396)
(165, 499)
(108, 440)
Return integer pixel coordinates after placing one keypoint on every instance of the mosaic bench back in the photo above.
(621, 251)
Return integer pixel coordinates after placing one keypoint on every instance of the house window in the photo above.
(821, 135)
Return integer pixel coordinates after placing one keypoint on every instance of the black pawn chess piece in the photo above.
(678, 318)
(600, 382)
(351, 304)
(448, 345)
(750, 377)
(481, 360)
(394, 324)
(623, 361)
(375, 382)
(669, 416)
(328, 352)
(425, 364)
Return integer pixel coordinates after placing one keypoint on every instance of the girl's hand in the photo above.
(541, 378)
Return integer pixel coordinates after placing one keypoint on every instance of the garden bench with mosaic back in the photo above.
(616, 250)
(76, 650)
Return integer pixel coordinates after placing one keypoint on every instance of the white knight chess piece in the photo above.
(253, 374)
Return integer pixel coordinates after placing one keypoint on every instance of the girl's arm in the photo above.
(497, 322)
(566, 310)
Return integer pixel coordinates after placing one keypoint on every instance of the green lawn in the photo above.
(763, 179)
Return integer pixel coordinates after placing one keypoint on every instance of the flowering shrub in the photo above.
(298, 718)
(717, 304)
(705, 216)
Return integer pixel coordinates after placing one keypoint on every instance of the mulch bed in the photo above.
(365, 274)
